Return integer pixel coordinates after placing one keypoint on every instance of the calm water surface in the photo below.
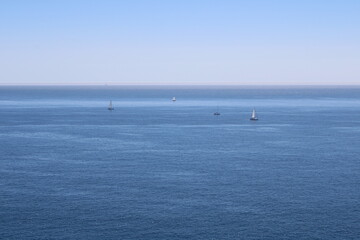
(154, 169)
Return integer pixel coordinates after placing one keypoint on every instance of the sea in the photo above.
(158, 169)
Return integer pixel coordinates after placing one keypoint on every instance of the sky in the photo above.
(172, 42)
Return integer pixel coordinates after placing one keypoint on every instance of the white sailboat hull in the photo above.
(253, 116)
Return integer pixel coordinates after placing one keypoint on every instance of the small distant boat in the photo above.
(217, 113)
(110, 107)
(253, 116)
(174, 99)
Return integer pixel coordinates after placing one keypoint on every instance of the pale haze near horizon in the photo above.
(180, 42)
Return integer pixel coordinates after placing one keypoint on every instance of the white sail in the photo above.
(253, 114)
(173, 99)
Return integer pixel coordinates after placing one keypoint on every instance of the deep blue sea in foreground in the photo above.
(154, 169)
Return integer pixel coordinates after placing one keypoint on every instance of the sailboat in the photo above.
(110, 107)
(217, 113)
(253, 115)
(174, 99)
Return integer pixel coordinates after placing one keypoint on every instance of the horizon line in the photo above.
(176, 85)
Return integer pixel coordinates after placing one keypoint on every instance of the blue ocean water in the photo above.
(154, 169)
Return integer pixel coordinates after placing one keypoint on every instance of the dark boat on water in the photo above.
(110, 107)
(217, 113)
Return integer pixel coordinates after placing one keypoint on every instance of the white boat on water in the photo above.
(253, 115)
(110, 107)
(174, 99)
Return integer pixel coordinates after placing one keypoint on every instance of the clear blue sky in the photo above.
(180, 42)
